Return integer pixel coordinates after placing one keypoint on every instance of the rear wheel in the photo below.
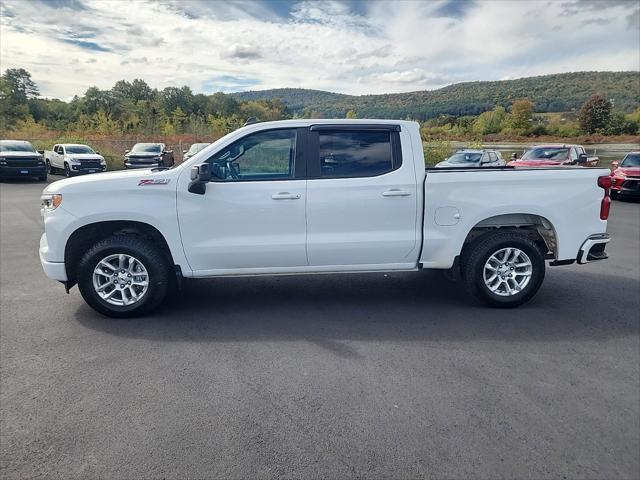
(123, 276)
(503, 269)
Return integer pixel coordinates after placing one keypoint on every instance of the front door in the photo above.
(252, 216)
(362, 200)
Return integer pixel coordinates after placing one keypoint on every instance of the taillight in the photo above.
(604, 182)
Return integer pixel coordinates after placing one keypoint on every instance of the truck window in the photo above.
(493, 157)
(573, 156)
(267, 155)
(345, 154)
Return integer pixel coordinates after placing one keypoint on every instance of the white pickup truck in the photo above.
(73, 159)
(318, 196)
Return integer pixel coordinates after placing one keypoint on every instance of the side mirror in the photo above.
(615, 164)
(184, 151)
(200, 176)
(41, 152)
(97, 152)
(514, 156)
(582, 158)
(127, 151)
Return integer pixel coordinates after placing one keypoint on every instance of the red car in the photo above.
(625, 178)
(555, 156)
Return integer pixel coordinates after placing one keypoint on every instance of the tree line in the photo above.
(134, 108)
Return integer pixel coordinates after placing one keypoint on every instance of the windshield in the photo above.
(631, 160)
(146, 148)
(11, 146)
(546, 153)
(196, 147)
(465, 157)
(78, 149)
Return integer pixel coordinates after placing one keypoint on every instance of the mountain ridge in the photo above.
(550, 93)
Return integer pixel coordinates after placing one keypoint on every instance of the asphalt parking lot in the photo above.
(371, 375)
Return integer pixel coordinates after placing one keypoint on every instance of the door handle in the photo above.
(285, 196)
(396, 192)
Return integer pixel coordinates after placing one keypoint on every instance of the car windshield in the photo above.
(78, 149)
(146, 148)
(465, 157)
(10, 146)
(631, 160)
(546, 153)
(196, 147)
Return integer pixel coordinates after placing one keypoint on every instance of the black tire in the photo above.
(143, 250)
(49, 169)
(613, 194)
(478, 253)
(67, 170)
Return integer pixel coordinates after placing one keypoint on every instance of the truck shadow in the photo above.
(329, 309)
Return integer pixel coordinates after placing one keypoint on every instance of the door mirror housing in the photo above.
(200, 176)
(582, 158)
(127, 151)
(514, 156)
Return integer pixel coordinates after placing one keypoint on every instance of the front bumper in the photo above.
(16, 172)
(593, 248)
(53, 270)
(140, 165)
(83, 169)
(626, 187)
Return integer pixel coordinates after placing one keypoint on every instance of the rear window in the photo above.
(465, 157)
(346, 154)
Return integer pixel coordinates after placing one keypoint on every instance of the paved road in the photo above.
(351, 376)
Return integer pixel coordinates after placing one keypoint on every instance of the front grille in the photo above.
(23, 162)
(90, 164)
(631, 184)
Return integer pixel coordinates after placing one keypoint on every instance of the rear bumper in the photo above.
(593, 249)
(53, 270)
(16, 172)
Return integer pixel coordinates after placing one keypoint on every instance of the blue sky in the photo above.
(346, 46)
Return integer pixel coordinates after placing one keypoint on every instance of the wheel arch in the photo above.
(83, 237)
(537, 227)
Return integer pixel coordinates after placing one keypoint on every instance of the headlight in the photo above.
(51, 201)
(2, 162)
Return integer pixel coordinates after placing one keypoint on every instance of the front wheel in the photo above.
(67, 170)
(613, 194)
(49, 170)
(503, 269)
(123, 276)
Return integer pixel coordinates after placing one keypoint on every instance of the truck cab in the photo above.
(74, 159)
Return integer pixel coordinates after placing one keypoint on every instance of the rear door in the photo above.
(361, 197)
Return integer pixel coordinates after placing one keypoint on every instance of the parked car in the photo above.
(148, 155)
(18, 158)
(625, 178)
(74, 159)
(195, 148)
(470, 158)
(554, 156)
(310, 196)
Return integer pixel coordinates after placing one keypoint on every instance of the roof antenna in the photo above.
(250, 121)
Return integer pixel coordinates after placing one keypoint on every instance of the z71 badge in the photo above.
(153, 181)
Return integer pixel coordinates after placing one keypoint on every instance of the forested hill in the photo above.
(550, 93)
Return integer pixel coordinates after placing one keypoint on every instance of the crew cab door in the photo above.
(57, 157)
(362, 201)
(252, 215)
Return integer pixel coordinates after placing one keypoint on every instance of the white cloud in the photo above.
(384, 47)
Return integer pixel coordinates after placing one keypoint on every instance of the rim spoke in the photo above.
(507, 271)
(120, 293)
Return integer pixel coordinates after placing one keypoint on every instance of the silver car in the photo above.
(469, 158)
(195, 148)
